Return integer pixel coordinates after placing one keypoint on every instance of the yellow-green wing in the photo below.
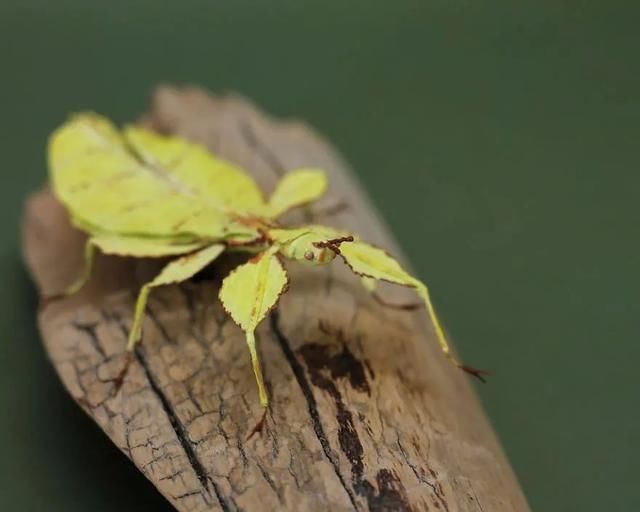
(315, 232)
(108, 184)
(248, 293)
(221, 183)
(141, 247)
(296, 188)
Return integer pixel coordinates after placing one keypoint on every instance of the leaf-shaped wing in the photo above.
(296, 188)
(111, 182)
(141, 247)
(222, 184)
(316, 232)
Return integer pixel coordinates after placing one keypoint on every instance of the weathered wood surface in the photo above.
(366, 414)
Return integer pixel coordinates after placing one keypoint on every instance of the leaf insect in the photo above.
(137, 193)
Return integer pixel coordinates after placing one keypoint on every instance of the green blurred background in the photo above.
(509, 129)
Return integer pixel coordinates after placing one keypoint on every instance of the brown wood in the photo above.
(366, 413)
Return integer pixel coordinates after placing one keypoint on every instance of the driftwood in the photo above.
(366, 413)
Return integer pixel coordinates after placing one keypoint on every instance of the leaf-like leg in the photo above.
(175, 271)
(89, 258)
(135, 334)
(374, 264)
(122, 246)
(248, 293)
(83, 278)
(257, 369)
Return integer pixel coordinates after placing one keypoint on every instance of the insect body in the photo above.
(141, 194)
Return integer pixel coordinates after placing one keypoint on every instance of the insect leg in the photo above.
(257, 369)
(135, 334)
(374, 264)
(83, 278)
(89, 258)
(248, 293)
(175, 271)
(121, 246)
(423, 292)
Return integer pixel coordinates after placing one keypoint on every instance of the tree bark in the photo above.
(366, 414)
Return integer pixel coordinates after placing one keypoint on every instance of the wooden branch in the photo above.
(366, 413)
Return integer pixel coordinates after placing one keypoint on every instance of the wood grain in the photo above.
(366, 414)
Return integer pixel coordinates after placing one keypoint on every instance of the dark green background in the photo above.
(500, 141)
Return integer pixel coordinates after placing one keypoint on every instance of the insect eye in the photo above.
(309, 256)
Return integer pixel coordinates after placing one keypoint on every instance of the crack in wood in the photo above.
(312, 405)
(90, 330)
(476, 497)
(270, 482)
(149, 311)
(182, 435)
(436, 488)
(344, 365)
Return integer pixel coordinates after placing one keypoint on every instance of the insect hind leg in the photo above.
(81, 281)
(257, 370)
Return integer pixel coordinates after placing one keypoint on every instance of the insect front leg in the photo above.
(248, 293)
(175, 271)
(423, 292)
(374, 264)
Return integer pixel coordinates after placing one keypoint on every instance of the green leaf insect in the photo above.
(138, 193)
